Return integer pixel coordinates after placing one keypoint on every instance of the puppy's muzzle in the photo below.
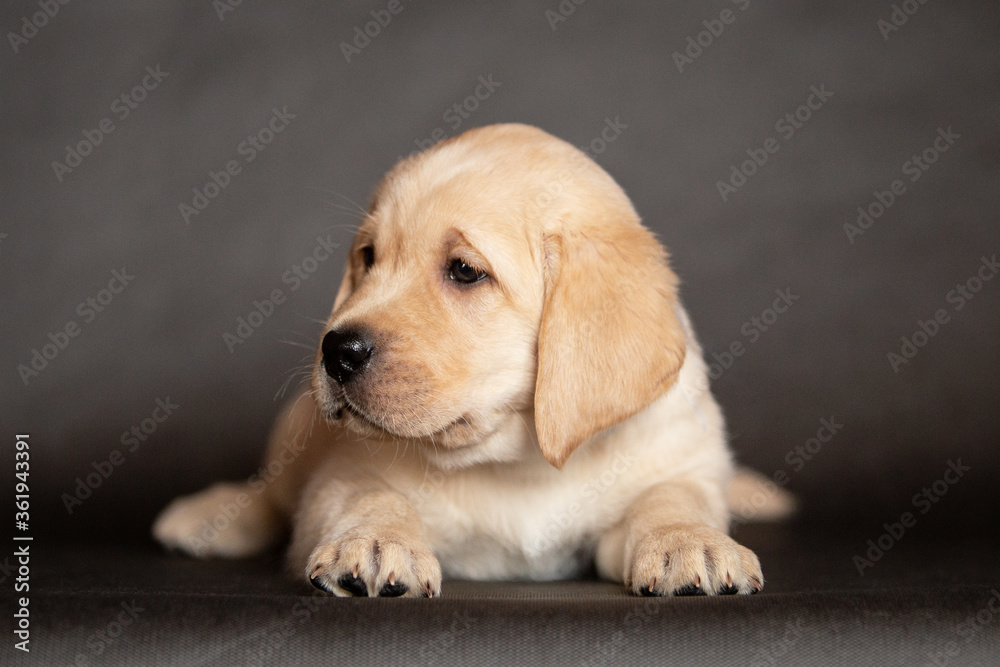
(346, 353)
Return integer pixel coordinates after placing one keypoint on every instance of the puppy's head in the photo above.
(499, 275)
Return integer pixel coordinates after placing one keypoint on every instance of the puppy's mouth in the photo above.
(359, 420)
(349, 411)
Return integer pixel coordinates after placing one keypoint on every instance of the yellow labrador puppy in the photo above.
(507, 387)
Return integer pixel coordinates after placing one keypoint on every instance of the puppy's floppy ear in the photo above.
(610, 341)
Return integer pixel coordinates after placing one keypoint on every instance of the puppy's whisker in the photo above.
(520, 416)
(303, 373)
(332, 208)
(357, 207)
(301, 396)
(309, 337)
(298, 344)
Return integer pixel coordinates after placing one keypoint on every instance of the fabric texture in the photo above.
(180, 185)
(924, 598)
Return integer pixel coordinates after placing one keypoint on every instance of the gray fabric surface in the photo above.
(163, 335)
(221, 80)
(922, 600)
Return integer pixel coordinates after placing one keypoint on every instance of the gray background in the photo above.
(162, 337)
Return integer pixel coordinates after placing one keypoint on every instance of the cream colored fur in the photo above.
(554, 413)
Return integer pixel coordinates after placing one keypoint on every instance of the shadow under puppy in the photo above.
(507, 387)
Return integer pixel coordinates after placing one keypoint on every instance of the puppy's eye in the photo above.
(368, 253)
(461, 271)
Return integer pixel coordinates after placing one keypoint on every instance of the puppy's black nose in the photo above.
(346, 353)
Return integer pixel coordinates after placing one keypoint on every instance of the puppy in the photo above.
(507, 387)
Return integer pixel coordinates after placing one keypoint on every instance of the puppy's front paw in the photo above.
(691, 559)
(366, 564)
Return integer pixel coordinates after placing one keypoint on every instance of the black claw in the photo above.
(393, 590)
(648, 592)
(320, 584)
(353, 585)
(690, 589)
(729, 589)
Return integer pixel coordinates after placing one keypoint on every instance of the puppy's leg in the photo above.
(354, 536)
(673, 542)
(236, 520)
(227, 520)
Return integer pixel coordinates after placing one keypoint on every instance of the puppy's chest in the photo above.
(486, 526)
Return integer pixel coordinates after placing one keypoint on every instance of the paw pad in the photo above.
(353, 584)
